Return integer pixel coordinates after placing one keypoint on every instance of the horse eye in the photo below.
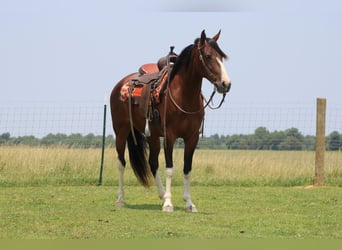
(208, 57)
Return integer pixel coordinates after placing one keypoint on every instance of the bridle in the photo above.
(211, 78)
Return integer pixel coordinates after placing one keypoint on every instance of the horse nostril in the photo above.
(226, 84)
(229, 86)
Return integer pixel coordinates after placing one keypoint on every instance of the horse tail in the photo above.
(137, 157)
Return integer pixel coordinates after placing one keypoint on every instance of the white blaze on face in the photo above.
(225, 79)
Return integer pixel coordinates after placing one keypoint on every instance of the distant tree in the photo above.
(334, 141)
(5, 138)
(53, 140)
(294, 132)
(293, 140)
(261, 138)
(309, 142)
(291, 143)
(89, 140)
(180, 142)
(74, 140)
(234, 142)
(110, 141)
(247, 142)
(29, 140)
(60, 138)
(277, 138)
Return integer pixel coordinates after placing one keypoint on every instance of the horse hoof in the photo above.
(191, 209)
(168, 208)
(120, 203)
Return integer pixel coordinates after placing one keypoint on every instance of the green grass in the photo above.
(50, 193)
(225, 212)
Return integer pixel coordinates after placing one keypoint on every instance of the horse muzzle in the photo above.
(223, 88)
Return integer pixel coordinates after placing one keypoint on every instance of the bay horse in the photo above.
(181, 112)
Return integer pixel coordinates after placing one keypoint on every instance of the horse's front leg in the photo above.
(168, 150)
(167, 205)
(188, 155)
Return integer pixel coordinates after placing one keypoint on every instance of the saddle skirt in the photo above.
(148, 74)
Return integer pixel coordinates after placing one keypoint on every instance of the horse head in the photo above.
(212, 65)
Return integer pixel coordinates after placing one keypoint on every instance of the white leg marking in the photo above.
(121, 194)
(167, 206)
(189, 206)
(160, 187)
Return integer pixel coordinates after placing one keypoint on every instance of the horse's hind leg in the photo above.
(121, 194)
(154, 143)
(120, 148)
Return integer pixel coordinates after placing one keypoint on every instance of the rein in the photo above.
(179, 107)
(204, 107)
(210, 100)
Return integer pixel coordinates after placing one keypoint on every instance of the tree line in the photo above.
(71, 141)
(261, 139)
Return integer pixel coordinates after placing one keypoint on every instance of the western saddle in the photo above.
(147, 85)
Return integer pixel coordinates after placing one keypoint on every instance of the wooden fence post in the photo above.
(320, 142)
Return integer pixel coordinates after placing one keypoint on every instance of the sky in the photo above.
(76, 50)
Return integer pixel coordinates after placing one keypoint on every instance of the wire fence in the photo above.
(244, 118)
(40, 119)
(235, 126)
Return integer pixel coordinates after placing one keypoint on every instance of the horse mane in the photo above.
(184, 58)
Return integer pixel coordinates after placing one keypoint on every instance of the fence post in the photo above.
(103, 140)
(320, 142)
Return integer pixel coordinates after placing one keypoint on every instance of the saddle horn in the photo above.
(170, 57)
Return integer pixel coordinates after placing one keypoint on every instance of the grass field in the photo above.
(51, 193)
(87, 212)
(22, 166)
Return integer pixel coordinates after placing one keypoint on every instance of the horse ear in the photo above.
(203, 37)
(217, 36)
